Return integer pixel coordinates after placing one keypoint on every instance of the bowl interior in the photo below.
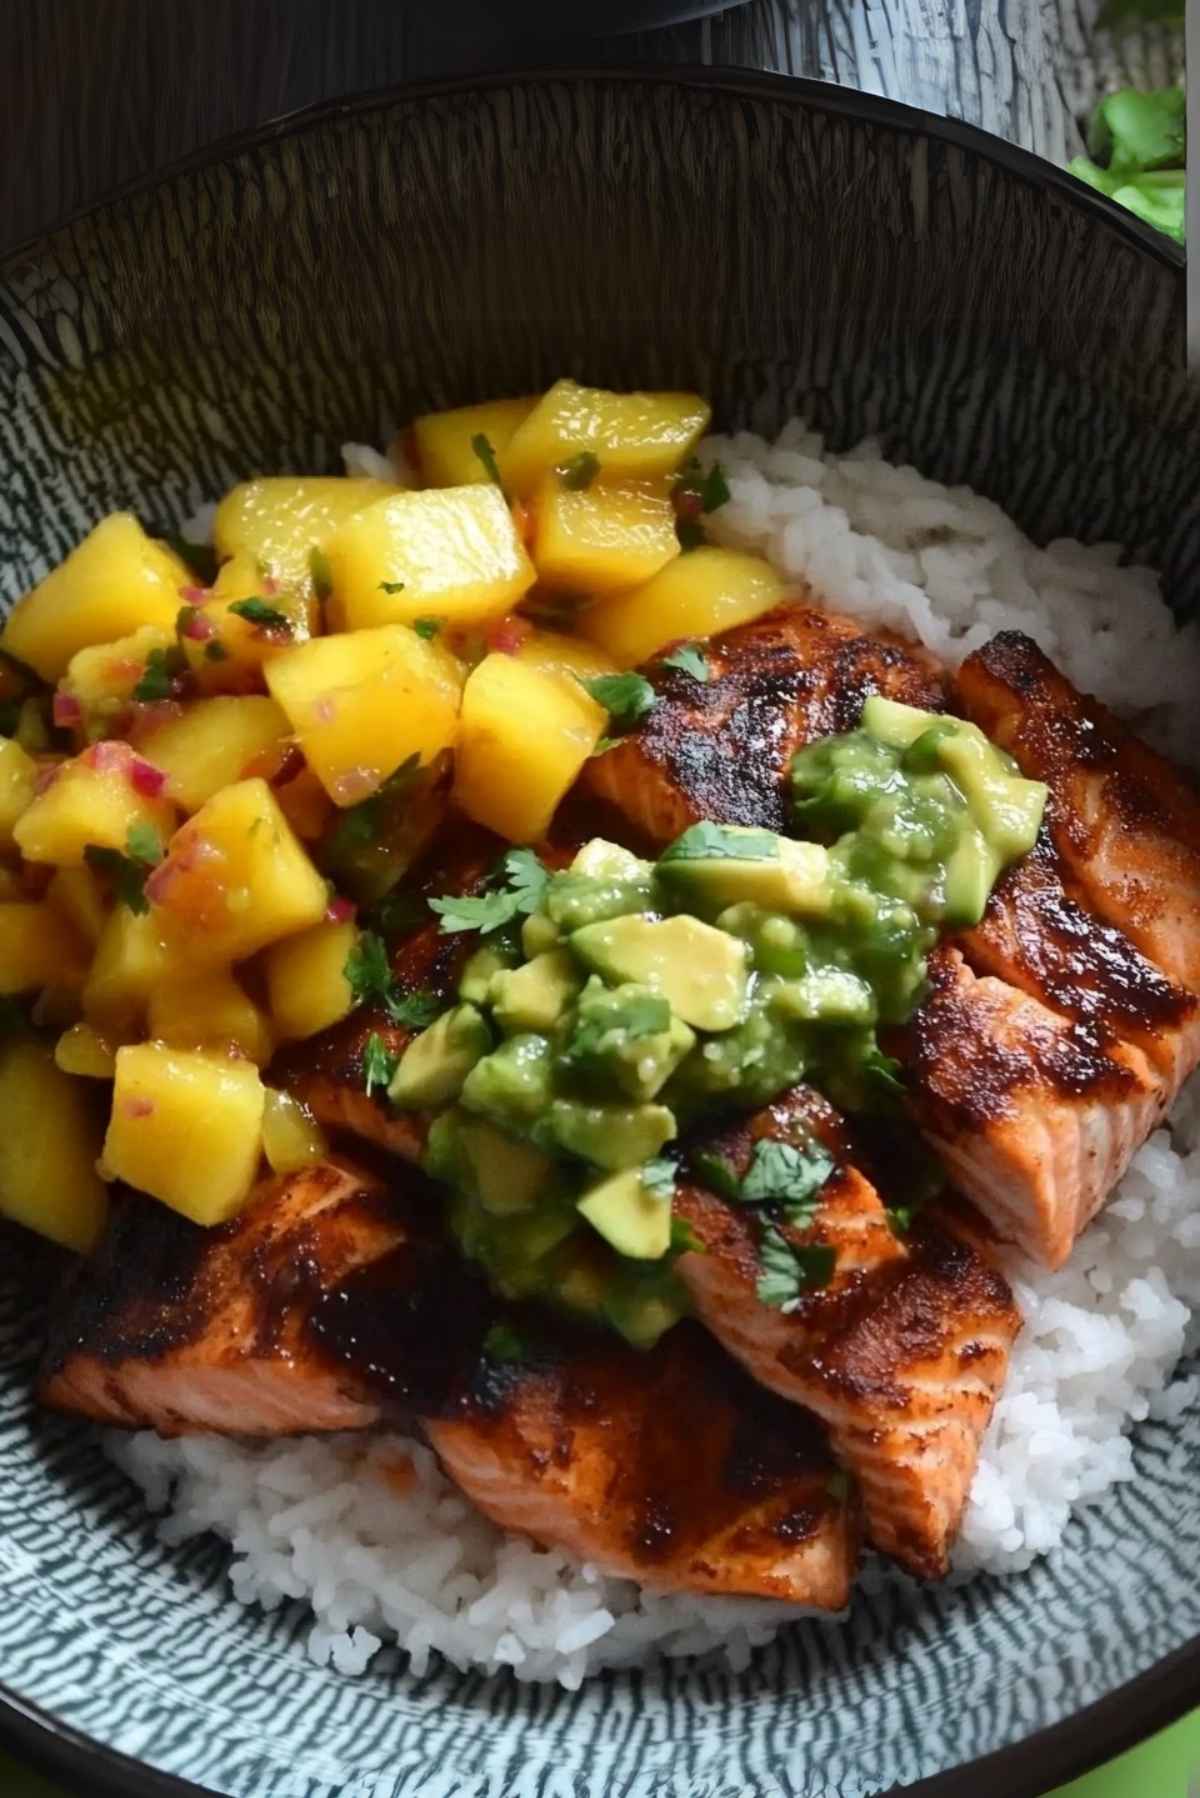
(786, 250)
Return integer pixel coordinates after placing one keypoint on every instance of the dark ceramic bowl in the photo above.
(783, 248)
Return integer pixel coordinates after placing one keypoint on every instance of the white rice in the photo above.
(325, 1521)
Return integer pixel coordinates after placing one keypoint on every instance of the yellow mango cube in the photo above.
(115, 581)
(276, 522)
(38, 948)
(227, 651)
(634, 436)
(131, 959)
(602, 538)
(79, 896)
(524, 738)
(569, 659)
(18, 778)
(307, 989)
(696, 596)
(101, 680)
(185, 1128)
(235, 878)
(95, 800)
(449, 552)
(292, 1137)
(209, 1010)
(83, 1051)
(211, 743)
(363, 702)
(48, 1148)
(445, 440)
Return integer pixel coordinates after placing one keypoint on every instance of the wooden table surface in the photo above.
(94, 93)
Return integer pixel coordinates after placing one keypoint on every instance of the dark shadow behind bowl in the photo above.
(785, 248)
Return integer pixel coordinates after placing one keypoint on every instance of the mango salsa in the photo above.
(449, 553)
(307, 988)
(570, 659)
(82, 1050)
(634, 436)
(602, 538)
(229, 633)
(79, 895)
(524, 738)
(38, 948)
(94, 801)
(214, 742)
(696, 596)
(185, 1128)
(277, 522)
(48, 1148)
(209, 1011)
(117, 580)
(362, 703)
(18, 781)
(446, 442)
(99, 684)
(131, 959)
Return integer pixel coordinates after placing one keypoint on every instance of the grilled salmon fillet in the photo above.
(180, 1328)
(1125, 823)
(901, 1354)
(672, 1468)
(721, 748)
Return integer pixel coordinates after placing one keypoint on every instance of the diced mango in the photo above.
(307, 988)
(634, 436)
(80, 897)
(92, 801)
(82, 1050)
(697, 595)
(235, 878)
(38, 948)
(362, 703)
(211, 744)
(278, 521)
(444, 443)
(48, 1148)
(18, 778)
(226, 651)
(101, 680)
(524, 737)
(450, 552)
(306, 805)
(209, 1011)
(571, 659)
(115, 581)
(131, 959)
(185, 1128)
(602, 538)
(292, 1137)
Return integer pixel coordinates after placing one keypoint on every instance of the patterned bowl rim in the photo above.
(1165, 1692)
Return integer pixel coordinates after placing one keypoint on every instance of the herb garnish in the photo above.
(487, 455)
(415, 1010)
(642, 1014)
(215, 651)
(158, 676)
(707, 486)
(369, 973)
(786, 1270)
(579, 473)
(391, 586)
(128, 871)
(361, 825)
(708, 842)
(378, 1063)
(264, 617)
(502, 1343)
(782, 1174)
(658, 1177)
(713, 1171)
(427, 628)
(625, 697)
(689, 658)
(523, 880)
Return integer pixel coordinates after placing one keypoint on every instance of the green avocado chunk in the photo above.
(509, 1176)
(609, 1136)
(718, 865)
(1007, 807)
(534, 997)
(627, 1037)
(970, 875)
(897, 725)
(432, 1069)
(701, 972)
(635, 1220)
(511, 1086)
(475, 981)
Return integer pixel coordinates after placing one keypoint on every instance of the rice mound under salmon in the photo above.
(370, 1532)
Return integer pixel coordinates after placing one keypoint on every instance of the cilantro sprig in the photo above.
(517, 886)
(264, 617)
(127, 872)
(578, 474)
(782, 1174)
(787, 1269)
(369, 974)
(689, 658)
(158, 677)
(658, 1177)
(378, 1064)
(481, 444)
(625, 697)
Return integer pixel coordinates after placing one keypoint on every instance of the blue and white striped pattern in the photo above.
(785, 256)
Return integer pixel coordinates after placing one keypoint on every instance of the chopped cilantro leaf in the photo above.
(143, 844)
(378, 1064)
(427, 628)
(714, 1171)
(580, 471)
(690, 533)
(900, 1218)
(523, 881)
(158, 676)
(684, 1240)
(391, 586)
(502, 1343)
(487, 455)
(782, 1174)
(708, 842)
(321, 573)
(708, 486)
(368, 969)
(127, 872)
(625, 697)
(641, 1014)
(417, 1010)
(882, 1071)
(215, 651)
(658, 1177)
(604, 745)
(786, 1271)
(689, 658)
(263, 616)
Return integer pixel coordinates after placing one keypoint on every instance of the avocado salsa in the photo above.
(618, 1001)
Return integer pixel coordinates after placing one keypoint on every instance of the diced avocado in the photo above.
(534, 997)
(894, 724)
(513, 1249)
(702, 972)
(538, 934)
(830, 995)
(642, 1309)
(970, 874)
(601, 860)
(635, 1220)
(435, 1064)
(1007, 808)
(475, 981)
(609, 1136)
(511, 1086)
(718, 865)
(509, 1176)
(627, 1037)
(579, 1275)
(573, 900)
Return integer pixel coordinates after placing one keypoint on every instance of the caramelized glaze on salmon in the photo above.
(721, 748)
(902, 1353)
(1124, 821)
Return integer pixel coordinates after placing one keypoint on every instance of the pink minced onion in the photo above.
(146, 779)
(340, 911)
(199, 627)
(66, 710)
